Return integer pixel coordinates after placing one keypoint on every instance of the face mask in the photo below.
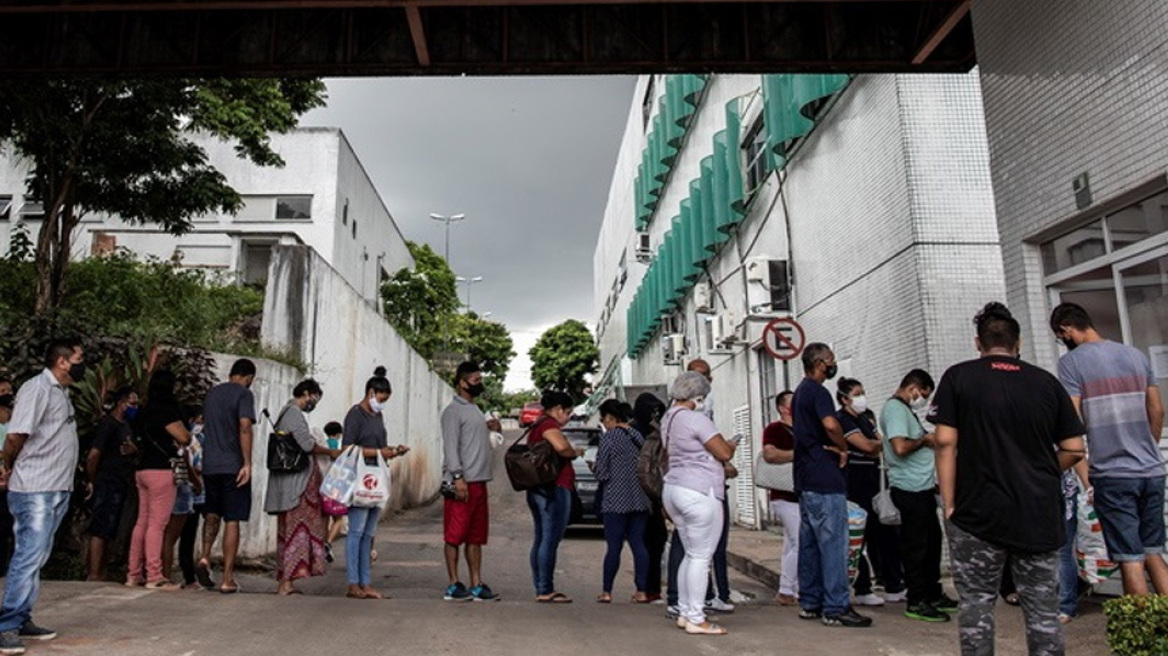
(700, 405)
(310, 406)
(476, 389)
(196, 429)
(832, 370)
(860, 403)
(77, 371)
(131, 413)
(1069, 343)
(919, 403)
(375, 405)
(7, 400)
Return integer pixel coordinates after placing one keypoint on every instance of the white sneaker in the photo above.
(719, 606)
(897, 597)
(870, 599)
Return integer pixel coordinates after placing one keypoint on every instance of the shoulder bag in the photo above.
(532, 466)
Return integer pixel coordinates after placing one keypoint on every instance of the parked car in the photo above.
(584, 508)
(531, 412)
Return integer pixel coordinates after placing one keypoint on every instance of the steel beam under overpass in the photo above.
(480, 37)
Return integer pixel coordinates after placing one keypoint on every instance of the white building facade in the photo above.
(860, 207)
(322, 197)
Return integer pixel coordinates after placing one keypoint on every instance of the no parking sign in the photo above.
(783, 338)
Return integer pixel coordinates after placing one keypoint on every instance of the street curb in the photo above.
(753, 569)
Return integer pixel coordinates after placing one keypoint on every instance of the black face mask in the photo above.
(832, 370)
(77, 371)
(1069, 343)
(476, 389)
(6, 400)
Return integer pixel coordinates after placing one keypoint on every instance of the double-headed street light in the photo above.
(469, 282)
(448, 220)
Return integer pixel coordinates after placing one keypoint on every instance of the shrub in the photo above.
(1138, 626)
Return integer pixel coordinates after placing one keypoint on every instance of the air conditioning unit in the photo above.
(769, 289)
(674, 348)
(644, 250)
(703, 299)
(724, 329)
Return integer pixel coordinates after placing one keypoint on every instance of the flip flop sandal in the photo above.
(555, 598)
(203, 575)
(231, 590)
(709, 629)
(604, 599)
(634, 600)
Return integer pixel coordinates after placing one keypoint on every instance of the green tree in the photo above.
(421, 302)
(488, 343)
(123, 147)
(562, 357)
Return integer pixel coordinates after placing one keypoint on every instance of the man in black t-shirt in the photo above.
(1005, 432)
(109, 467)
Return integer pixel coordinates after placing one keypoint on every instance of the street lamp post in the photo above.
(455, 218)
(469, 282)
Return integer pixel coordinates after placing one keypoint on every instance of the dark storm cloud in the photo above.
(528, 160)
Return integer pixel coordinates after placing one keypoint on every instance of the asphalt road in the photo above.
(110, 619)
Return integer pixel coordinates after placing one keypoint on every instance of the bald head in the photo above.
(700, 366)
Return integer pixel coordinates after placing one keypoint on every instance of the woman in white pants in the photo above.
(693, 493)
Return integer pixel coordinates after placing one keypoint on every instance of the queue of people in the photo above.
(963, 452)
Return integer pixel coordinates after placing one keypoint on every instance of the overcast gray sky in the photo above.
(528, 160)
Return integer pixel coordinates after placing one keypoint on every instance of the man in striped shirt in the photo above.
(40, 456)
(1115, 392)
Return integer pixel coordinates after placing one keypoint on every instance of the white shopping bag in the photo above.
(372, 488)
(1091, 551)
(342, 477)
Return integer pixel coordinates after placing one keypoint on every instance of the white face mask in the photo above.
(860, 404)
(919, 403)
(699, 404)
(375, 405)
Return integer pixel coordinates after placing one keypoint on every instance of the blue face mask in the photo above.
(131, 412)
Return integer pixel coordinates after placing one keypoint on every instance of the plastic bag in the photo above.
(885, 508)
(341, 477)
(1090, 549)
(857, 521)
(372, 488)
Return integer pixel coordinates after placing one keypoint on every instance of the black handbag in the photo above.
(284, 453)
(534, 466)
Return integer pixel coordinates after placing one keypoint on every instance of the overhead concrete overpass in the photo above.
(480, 37)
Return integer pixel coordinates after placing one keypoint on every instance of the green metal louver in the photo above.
(789, 105)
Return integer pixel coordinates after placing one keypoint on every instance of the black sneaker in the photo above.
(457, 592)
(31, 631)
(946, 604)
(328, 553)
(483, 592)
(203, 576)
(849, 618)
(925, 613)
(810, 613)
(11, 644)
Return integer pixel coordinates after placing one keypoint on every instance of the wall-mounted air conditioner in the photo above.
(768, 290)
(724, 329)
(674, 348)
(703, 298)
(644, 251)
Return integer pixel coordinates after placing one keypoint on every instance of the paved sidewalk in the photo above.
(757, 553)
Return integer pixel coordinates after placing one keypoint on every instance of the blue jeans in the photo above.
(823, 552)
(359, 544)
(619, 527)
(550, 510)
(1069, 572)
(36, 517)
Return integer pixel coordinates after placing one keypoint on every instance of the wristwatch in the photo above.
(457, 477)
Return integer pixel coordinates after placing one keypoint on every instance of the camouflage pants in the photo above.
(977, 573)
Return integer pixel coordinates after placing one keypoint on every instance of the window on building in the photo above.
(32, 209)
(354, 228)
(624, 272)
(754, 151)
(1116, 267)
(293, 208)
(647, 101)
(768, 370)
(345, 213)
(5, 207)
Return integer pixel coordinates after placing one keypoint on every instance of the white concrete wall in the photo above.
(319, 162)
(312, 311)
(892, 236)
(1070, 86)
(272, 389)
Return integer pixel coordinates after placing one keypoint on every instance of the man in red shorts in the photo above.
(466, 466)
